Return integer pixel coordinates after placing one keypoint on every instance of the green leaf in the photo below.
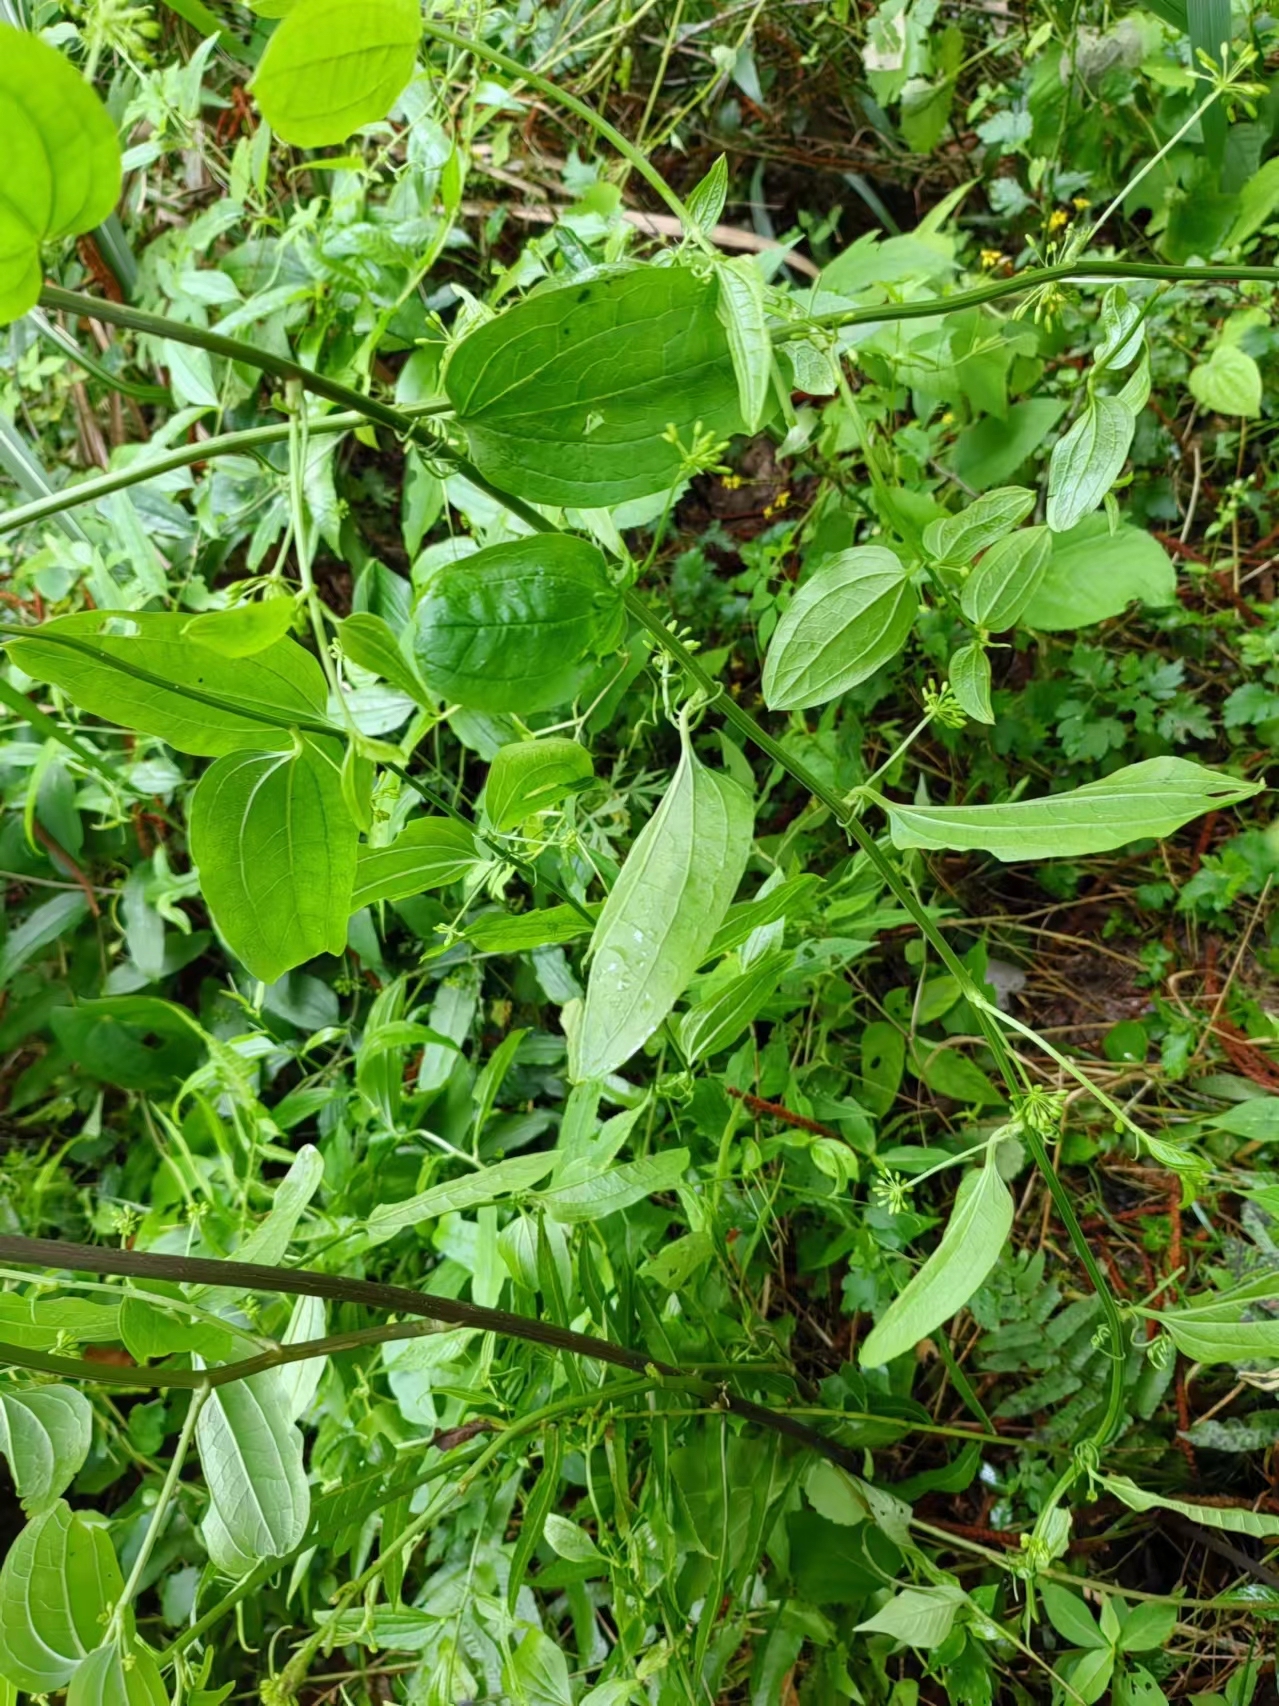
(662, 915)
(1070, 1617)
(520, 933)
(244, 631)
(959, 538)
(118, 1675)
(334, 66)
(1209, 1341)
(1257, 1119)
(975, 1235)
(531, 776)
(46, 924)
(716, 1022)
(946, 1072)
(1140, 802)
(368, 641)
(740, 306)
(921, 1617)
(1147, 1626)
(276, 850)
(969, 673)
(1087, 460)
(992, 450)
(1089, 1674)
(62, 161)
(510, 628)
(1211, 29)
(600, 1194)
(1007, 578)
(566, 397)
(282, 682)
(45, 1432)
(428, 853)
(1093, 573)
(1258, 199)
(59, 1579)
(849, 617)
(706, 202)
(883, 1062)
(1228, 383)
(474, 1190)
(536, 1673)
(1230, 1519)
(746, 916)
(252, 1457)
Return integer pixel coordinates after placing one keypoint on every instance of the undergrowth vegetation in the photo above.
(639, 1029)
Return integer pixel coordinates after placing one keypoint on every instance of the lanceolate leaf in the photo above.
(428, 853)
(62, 161)
(664, 910)
(849, 617)
(335, 65)
(715, 1023)
(489, 1184)
(283, 682)
(252, 1458)
(1230, 1518)
(276, 849)
(60, 1578)
(742, 315)
(566, 398)
(1142, 801)
(959, 538)
(509, 628)
(1087, 460)
(369, 641)
(45, 1432)
(975, 1234)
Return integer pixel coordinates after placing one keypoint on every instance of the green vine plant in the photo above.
(566, 404)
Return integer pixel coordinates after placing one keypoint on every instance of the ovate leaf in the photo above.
(959, 538)
(663, 913)
(244, 631)
(45, 1432)
(252, 1458)
(92, 656)
(921, 1617)
(745, 322)
(566, 398)
(1141, 801)
(276, 849)
(531, 776)
(975, 1234)
(1007, 578)
(428, 853)
(1087, 460)
(509, 628)
(1228, 383)
(335, 65)
(1093, 573)
(1231, 1519)
(706, 202)
(849, 617)
(61, 159)
(969, 673)
(60, 1578)
(369, 641)
(118, 1675)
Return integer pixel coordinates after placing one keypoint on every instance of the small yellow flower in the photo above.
(731, 482)
(991, 258)
(779, 503)
(1081, 203)
(1057, 218)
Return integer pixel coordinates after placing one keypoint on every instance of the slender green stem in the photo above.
(115, 1629)
(253, 1276)
(1034, 278)
(223, 444)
